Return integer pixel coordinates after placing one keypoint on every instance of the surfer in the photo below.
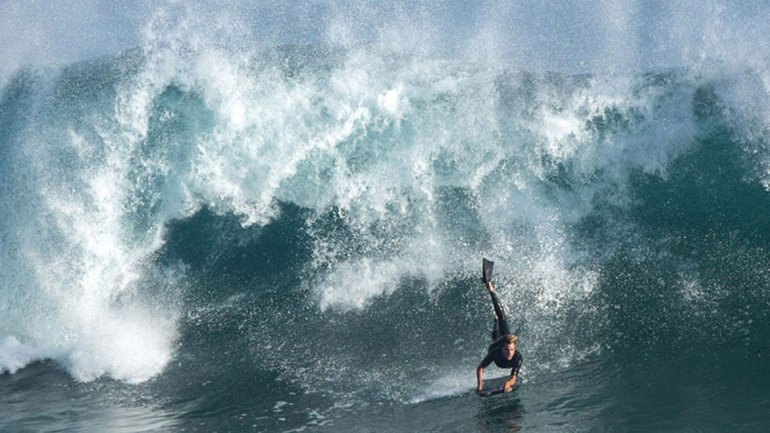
(502, 351)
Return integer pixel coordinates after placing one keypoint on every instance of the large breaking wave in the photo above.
(308, 209)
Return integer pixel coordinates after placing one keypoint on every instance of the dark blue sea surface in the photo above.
(205, 233)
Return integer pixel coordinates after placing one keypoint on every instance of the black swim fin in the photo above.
(486, 270)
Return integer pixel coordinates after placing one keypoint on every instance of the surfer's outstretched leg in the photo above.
(496, 330)
(501, 322)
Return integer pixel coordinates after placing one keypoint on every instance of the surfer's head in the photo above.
(508, 345)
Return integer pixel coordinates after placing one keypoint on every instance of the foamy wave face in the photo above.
(82, 289)
(379, 132)
(386, 138)
(425, 190)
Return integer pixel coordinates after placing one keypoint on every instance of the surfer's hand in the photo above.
(508, 387)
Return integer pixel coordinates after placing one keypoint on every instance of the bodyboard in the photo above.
(486, 270)
(496, 386)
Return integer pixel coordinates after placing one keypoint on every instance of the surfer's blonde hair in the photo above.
(509, 339)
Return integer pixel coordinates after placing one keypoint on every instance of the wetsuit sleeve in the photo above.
(517, 365)
(487, 360)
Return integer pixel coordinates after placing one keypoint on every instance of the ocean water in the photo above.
(217, 230)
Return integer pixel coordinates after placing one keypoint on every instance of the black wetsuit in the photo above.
(500, 329)
(496, 355)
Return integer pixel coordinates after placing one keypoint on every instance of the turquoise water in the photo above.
(205, 232)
